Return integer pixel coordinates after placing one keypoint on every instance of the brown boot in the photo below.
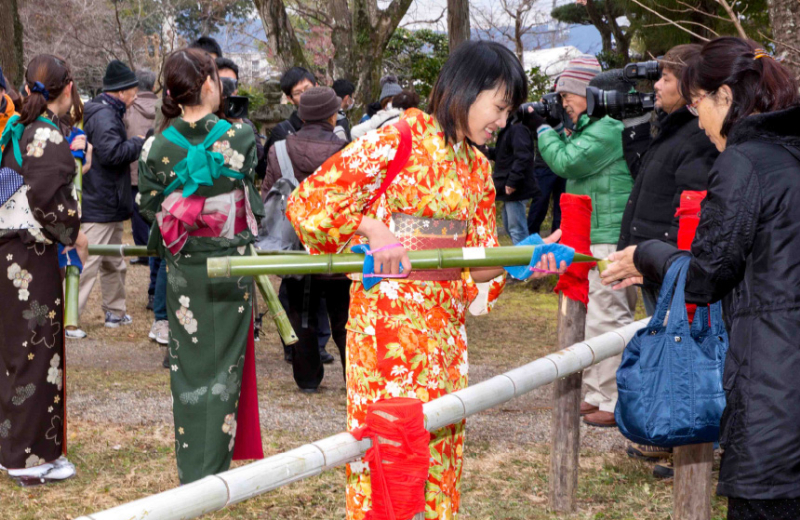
(600, 419)
(587, 408)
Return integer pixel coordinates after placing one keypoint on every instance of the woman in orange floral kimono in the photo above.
(406, 337)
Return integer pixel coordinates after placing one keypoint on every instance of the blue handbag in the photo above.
(670, 377)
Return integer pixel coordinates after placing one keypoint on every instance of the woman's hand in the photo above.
(548, 261)
(387, 261)
(81, 245)
(88, 163)
(621, 271)
(79, 143)
(510, 190)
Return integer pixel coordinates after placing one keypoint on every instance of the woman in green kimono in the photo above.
(196, 185)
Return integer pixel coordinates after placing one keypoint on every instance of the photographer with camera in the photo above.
(234, 107)
(590, 157)
(679, 158)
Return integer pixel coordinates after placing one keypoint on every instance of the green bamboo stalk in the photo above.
(354, 263)
(72, 275)
(276, 310)
(142, 251)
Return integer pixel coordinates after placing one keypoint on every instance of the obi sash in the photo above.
(420, 233)
(182, 217)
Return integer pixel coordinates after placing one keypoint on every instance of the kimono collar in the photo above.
(196, 131)
(462, 149)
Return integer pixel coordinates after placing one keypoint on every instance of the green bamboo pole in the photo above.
(276, 310)
(72, 277)
(125, 250)
(353, 263)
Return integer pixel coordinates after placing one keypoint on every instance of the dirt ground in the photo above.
(120, 428)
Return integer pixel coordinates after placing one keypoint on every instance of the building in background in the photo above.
(253, 66)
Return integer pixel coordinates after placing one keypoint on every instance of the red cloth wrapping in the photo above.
(688, 219)
(576, 229)
(247, 444)
(398, 472)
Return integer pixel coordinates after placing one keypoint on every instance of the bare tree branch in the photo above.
(671, 22)
(734, 18)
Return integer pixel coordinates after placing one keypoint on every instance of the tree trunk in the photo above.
(280, 33)
(602, 27)
(458, 30)
(11, 56)
(784, 17)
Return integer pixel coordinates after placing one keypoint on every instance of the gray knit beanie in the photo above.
(389, 87)
(318, 104)
(578, 74)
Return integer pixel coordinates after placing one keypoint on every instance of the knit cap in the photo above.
(118, 77)
(389, 87)
(578, 74)
(318, 104)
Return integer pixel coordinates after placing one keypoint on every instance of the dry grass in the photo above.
(120, 429)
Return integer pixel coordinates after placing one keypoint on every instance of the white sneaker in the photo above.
(76, 334)
(159, 332)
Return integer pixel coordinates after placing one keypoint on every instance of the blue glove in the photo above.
(561, 252)
(78, 154)
(70, 258)
(369, 267)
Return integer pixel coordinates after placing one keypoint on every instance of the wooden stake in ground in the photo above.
(692, 489)
(566, 412)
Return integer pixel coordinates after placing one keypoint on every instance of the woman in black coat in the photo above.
(748, 246)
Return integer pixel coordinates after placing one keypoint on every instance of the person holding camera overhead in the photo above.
(590, 157)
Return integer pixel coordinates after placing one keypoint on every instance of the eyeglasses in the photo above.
(693, 106)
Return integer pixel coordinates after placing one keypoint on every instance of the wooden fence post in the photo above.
(692, 487)
(566, 412)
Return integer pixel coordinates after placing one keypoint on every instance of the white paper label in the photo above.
(473, 253)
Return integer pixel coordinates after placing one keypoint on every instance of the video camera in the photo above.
(234, 107)
(621, 100)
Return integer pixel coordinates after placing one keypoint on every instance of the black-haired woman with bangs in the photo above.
(406, 336)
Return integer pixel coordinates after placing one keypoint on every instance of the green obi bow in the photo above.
(201, 167)
(13, 133)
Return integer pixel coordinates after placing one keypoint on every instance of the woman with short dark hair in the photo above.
(406, 337)
(747, 251)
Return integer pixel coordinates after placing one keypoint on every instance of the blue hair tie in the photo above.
(39, 87)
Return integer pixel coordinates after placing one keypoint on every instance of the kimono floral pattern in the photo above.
(20, 278)
(185, 316)
(43, 134)
(406, 338)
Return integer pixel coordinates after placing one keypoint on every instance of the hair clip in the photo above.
(39, 88)
(761, 53)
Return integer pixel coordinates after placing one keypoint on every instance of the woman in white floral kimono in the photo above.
(38, 210)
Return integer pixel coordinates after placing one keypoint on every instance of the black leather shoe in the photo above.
(150, 300)
(326, 358)
(166, 363)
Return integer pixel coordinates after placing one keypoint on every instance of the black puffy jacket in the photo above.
(678, 158)
(514, 166)
(748, 244)
(107, 185)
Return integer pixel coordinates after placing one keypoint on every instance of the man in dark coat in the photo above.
(345, 90)
(514, 178)
(678, 159)
(312, 300)
(107, 199)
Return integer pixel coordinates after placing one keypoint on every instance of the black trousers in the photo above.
(744, 509)
(304, 298)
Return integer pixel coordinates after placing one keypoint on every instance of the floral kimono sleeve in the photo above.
(48, 169)
(482, 232)
(327, 208)
(151, 190)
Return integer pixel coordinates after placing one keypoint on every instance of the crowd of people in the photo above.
(183, 166)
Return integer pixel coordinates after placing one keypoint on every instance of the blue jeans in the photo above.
(551, 185)
(160, 294)
(155, 265)
(515, 221)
